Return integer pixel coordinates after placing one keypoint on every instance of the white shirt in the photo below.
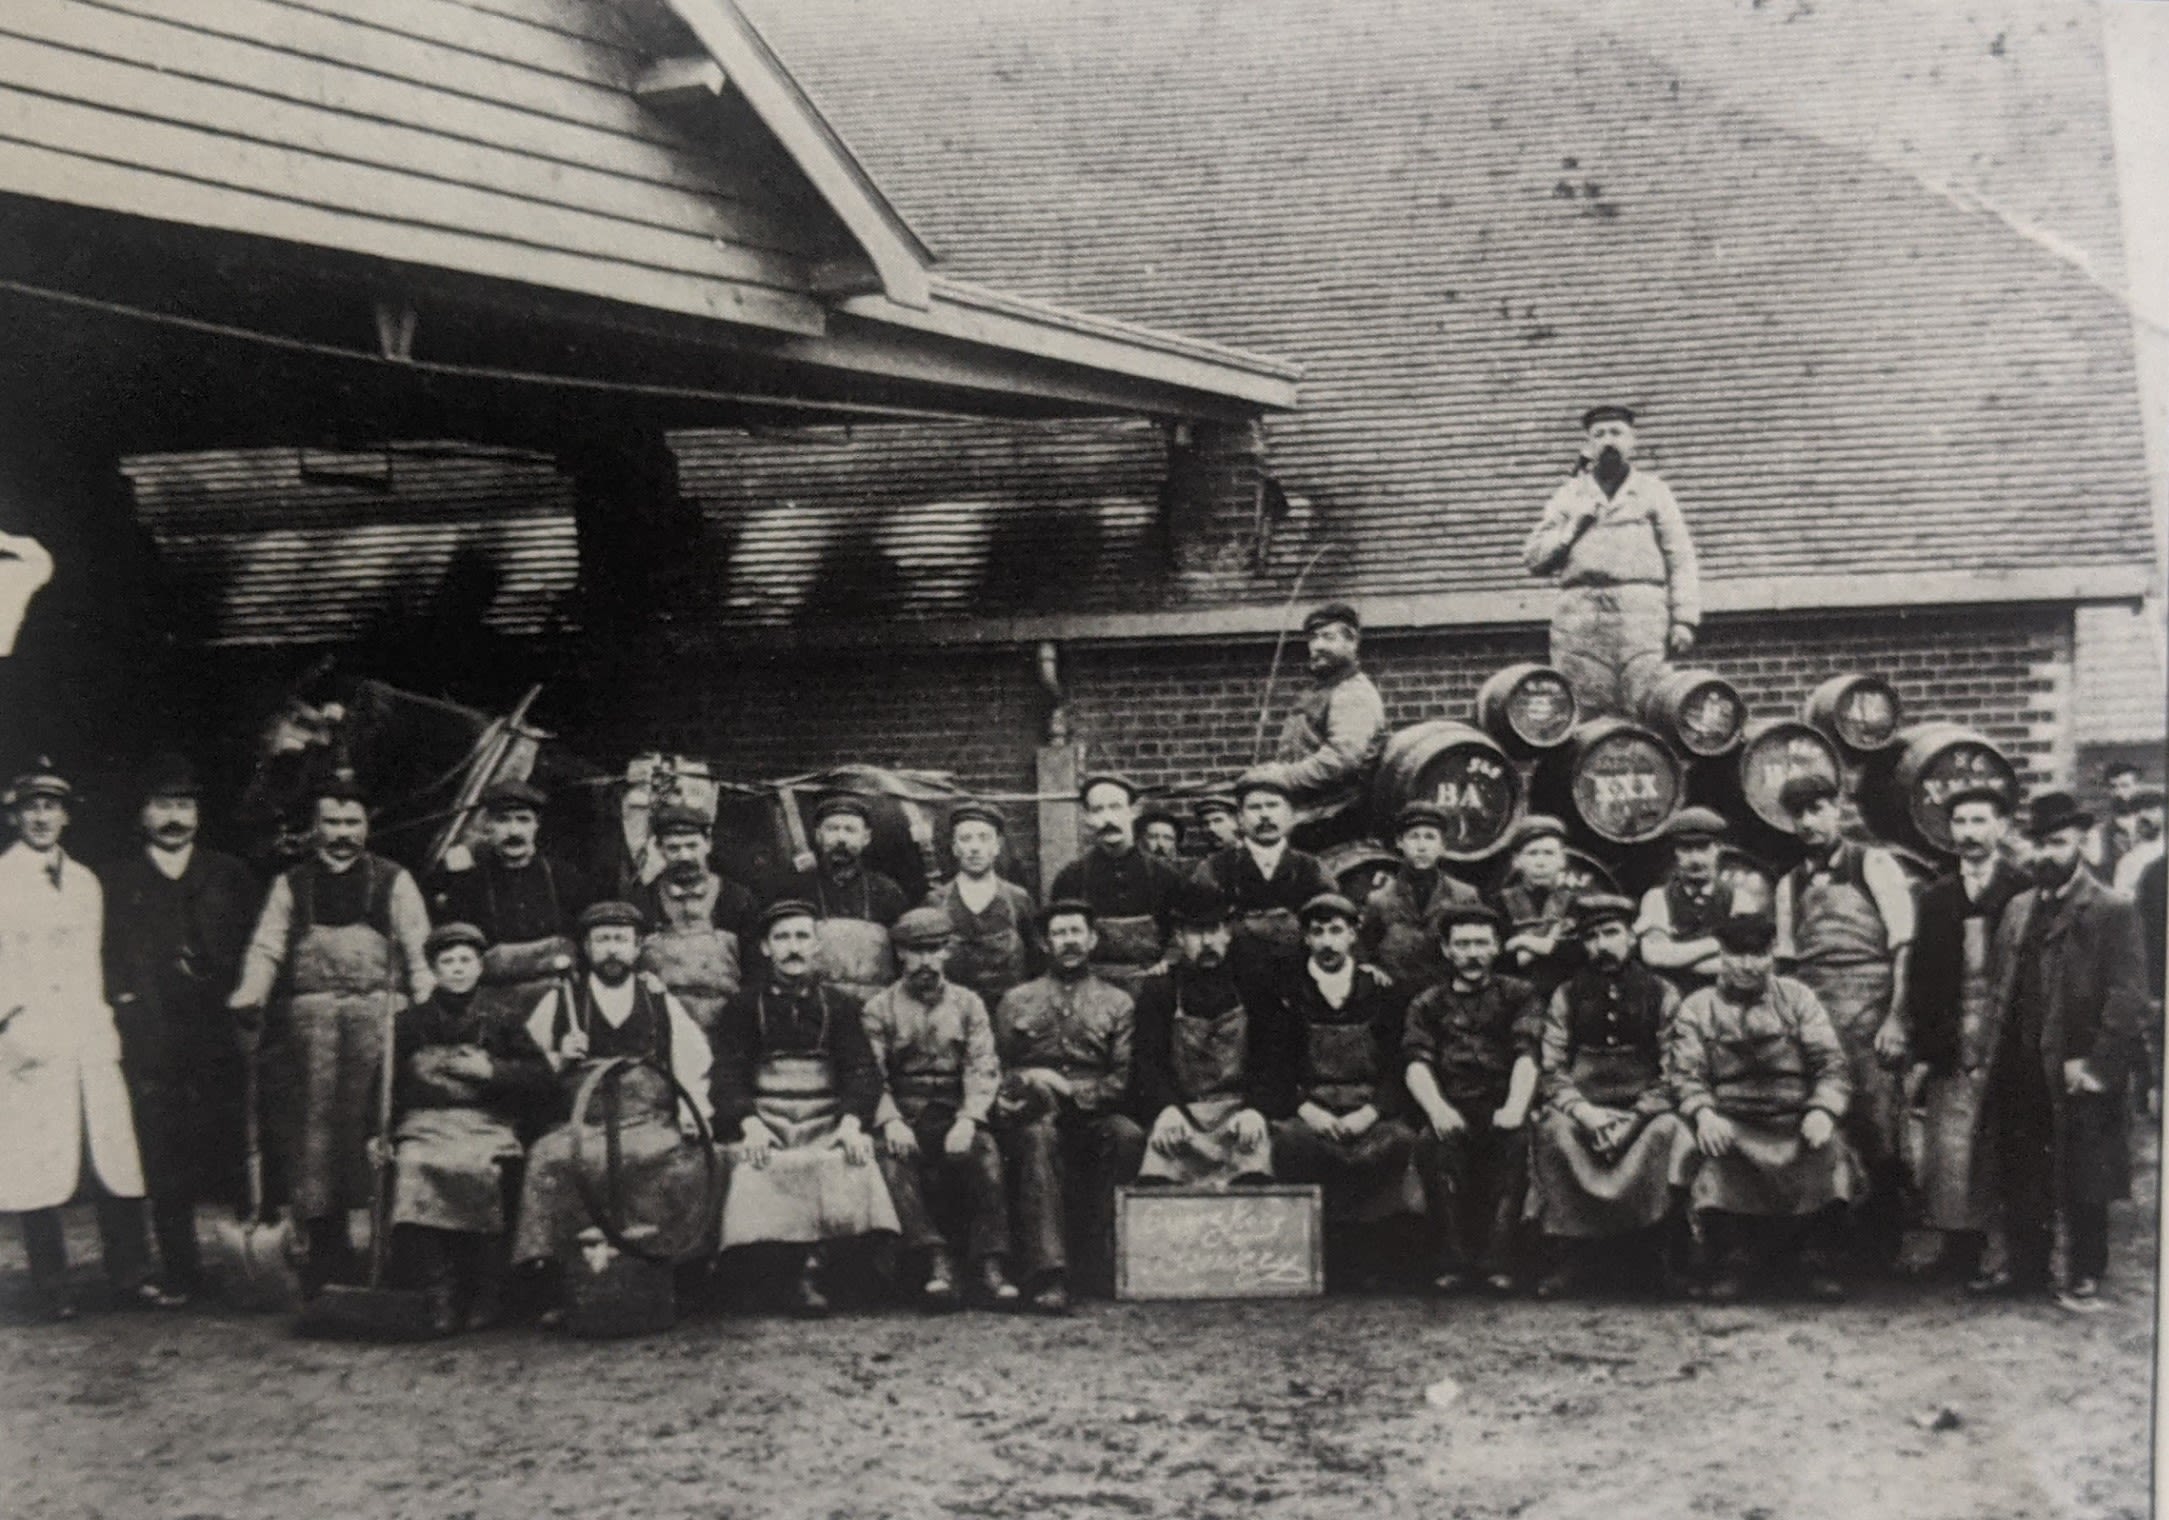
(1267, 856)
(173, 864)
(1975, 876)
(975, 895)
(1335, 986)
(2132, 862)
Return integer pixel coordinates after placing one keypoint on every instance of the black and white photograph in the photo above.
(1082, 759)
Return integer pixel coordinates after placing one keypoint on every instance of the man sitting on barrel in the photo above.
(1609, 1156)
(1758, 1070)
(1679, 914)
(1330, 744)
(1397, 934)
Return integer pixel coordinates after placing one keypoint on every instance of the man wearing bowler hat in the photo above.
(524, 901)
(856, 903)
(1397, 933)
(177, 919)
(1629, 589)
(1679, 916)
(2070, 1003)
(1330, 744)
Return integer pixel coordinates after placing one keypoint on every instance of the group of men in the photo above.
(1724, 1085)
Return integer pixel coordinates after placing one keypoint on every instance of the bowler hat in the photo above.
(170, 775)
(1332, 612)
(1160, 812)
(610, 913)
(922, 929)
(512, 793)
(2057, 810)
(1198, 905)
(1745, 934)
(1329, 905)
(445, 936)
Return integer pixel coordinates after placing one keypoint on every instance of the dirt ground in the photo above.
(1283, 1409)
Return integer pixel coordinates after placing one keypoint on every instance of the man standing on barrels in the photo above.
(1331, 742)
(702, 924)
(857, 903)
(1679, 917)
(523, 901)
(1127, 889)
(1399, 934)
(1265, 881)
(1629, 591)
(1845, 929)
(344, 933)
(990, 918)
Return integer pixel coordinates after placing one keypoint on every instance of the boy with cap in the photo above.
(1397, 933)
(61, 1055)
(1338, 1118)
(1757, 1069)
(1330, 744)
(1629, 587)
(797, 1088)
(1469, 1053)
(1220, 818)
(1679, 915)
(178, 916)
(1609, 1157)
(989, 916)
(524, 902)
(1204, 1067)
(1536, 903)
(702, 923)
(2070, 1003)
(613, 1010)
(856, 903)
(465, 1082)
(1265, 881)
(1066, 1040)
(1127, 890)
(934, 1045)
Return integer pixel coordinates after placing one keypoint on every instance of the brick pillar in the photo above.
(1210, 501)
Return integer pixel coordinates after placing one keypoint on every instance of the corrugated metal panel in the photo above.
(2121, 689)
(1467, 222)
(264, 553)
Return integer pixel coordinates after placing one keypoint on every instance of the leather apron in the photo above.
(699, 964)
(852, 954)
(516, 973)
(1129, 946)
(1208, 1057)
(1956, 1185)
(341, 991)
(1838, 938)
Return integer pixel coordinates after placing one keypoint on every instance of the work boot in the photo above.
(995, 1288)
(939, 1295)
(1051, 1296)
(486, 1306)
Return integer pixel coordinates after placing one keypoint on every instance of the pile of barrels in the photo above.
(1616, 781)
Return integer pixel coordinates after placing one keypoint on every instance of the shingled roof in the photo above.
(1465, 222)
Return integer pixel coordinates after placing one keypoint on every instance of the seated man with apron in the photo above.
(1200, 1073)
(796, 1088)
(524, 902)
(1127, 890)
(701, 924)
(1265, 881)
(614, 1011)
(856, 904)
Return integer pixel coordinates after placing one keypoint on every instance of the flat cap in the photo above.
(1106, 778)
(1982, 791)
(1198, 904)
(1694, 825)
(339, 786)
(611, 913)
(43, 779)
(511, 793)
(837, 803)
(1063, 906)
(445, 936)
(977, 812)
(1607, 413)
(1160, 812)
(1745, 934)
(786, 907)
(1215, 802)
(1445, 916)
(1800, 793)
(677, 818)
(1332, 612)
(169, 775)
(1329, 905)
(2146, 797)
(922, 929)
(1536, 826)
(1261, 781)
(1596, 908)
(1420, 813)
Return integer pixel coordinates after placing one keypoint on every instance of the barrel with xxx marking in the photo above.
(1462, 771)
(1620, 779)
(1907, 799)
(1527, 707)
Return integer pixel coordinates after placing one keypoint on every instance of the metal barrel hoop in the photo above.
(604, 1204)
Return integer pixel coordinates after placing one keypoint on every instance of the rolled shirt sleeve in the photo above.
(267, 946)
(690, 1057)
(1555, 1054)
(1893, 894)
(409, 916)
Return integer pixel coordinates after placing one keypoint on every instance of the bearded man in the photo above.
(702, 923)
(857, 904)
(1330, 744)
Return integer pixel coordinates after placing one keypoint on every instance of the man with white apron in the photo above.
(613, 1011)
(1950, 1022)
(1397, 935)
(990, 917)
(63, 1102)
(796, 1088)
(1127, 890)
(1845, 930)
(1200, 1068)
(1265, 881)
(701, 924)
(856, 903)
(341, 936)
(523, 900)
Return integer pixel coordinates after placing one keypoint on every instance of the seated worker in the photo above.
(856, 903)
(1537, 904)
(702, 924)
(1265, 881)
(1756, 1067)
(465, 1082)
(1202, 1054)
(934, 1045)
(613, 1011)
(1340, 1121)
(990, 918)
(796, 1088)
(1330, 744)
(1397, 935)
(1469, 1049)
(1608, 1158)
(1065, 1042)
(1679, 913)
(524, 902)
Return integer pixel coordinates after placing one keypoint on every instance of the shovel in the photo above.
(373, 1311)
(255, 1260)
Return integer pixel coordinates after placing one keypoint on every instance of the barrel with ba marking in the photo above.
(1460, 770)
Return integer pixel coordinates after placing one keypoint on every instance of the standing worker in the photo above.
(1127, 890)
(523, 901)
(1330, 744)
(1629, 590)
(857, 903)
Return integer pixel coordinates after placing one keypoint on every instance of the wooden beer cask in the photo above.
(1358, 868)
(1772, 752)
(1861, 712)
(1623, 781)
(1527, 707)
(1699, 710)
(1933, 761)
(1461, 770)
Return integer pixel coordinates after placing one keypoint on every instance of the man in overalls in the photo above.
(989, 916)
(1330, 744)
(1950, 1020)
(1845, 930)
(524, 902)
(1265, 881)
(1536, 901)
(1201, 1072)
(701, 923)
(1398, 933)
(1680, 915)
(1127, 889)
(1629, 588)
(342, 937)
(797, 1087)
(856, 903)
(934, 1042)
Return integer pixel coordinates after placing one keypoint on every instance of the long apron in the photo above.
(807, 1192)
(1370, 1178)
(1957, 1186)
(1835, 924)
(664, 1178)
(1579, 1195)
(516, 975)
(1129, 946)
(1209, 1054)
(853, 955)
(698, 962)
(448, 1169)
(322, 1065)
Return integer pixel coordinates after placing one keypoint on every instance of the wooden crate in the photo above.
(1192, 1242)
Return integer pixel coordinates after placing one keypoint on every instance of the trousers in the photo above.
(972, 1182)
(1065, 1166)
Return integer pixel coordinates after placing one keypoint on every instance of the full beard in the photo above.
(612, 972)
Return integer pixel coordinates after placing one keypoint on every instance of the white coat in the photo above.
(60, 1054)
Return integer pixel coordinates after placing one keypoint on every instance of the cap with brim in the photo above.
(1599, 908)
(1332, 612)
(343, 787)
(1445, 917)
(2146, 797)
(677, 818)
(1420, 814)
(922, 929)
(844, 803)
(977, 812)
(1215, 802)
(2053, 811)
(170, 776)
(507, 796)
(1536, 826)
(445, 936)
(41, 780)
(1994, 796)
(1262, 781)
(786, 907)
(1607, 413)
(1160, 813)
(1067, 905)
(1694, 825)
(1198, 905)
(1106, 778)
(1329, 905)
(1745, 934)
(1800, 793)
(611, 914)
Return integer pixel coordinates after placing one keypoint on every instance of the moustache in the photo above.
(343, 847)
(1606, 959)
(685, 873)
(173, 831)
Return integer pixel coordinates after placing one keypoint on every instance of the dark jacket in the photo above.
(1375, 1003)
(167, 974)
(520, 1084)
(1154, 1085)
(817, 1020)
(541, 900)
(868, 895)
(1932, 1014)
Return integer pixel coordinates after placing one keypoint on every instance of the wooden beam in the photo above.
(674, 83)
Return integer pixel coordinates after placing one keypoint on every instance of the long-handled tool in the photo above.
(255, 1260)
(373, 1311)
